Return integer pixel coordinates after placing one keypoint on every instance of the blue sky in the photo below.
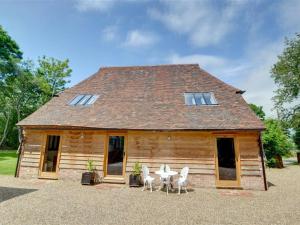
(236, 40)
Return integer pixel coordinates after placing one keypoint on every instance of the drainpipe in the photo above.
(20, 151)
(263, 161)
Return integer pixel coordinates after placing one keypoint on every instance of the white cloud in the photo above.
(219, 66)
(203, 22)
(110, 33)
(96, 5)
(137, 38)
(205, 60)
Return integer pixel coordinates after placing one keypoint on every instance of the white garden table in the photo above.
(165, 175)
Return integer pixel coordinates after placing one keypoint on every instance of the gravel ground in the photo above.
(62, 202)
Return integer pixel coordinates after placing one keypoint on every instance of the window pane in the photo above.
(92, 100)
(84, 99)
(209, 99)
(189, 99)
(199, 99)
(76, 99)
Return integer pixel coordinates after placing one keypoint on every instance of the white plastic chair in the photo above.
(182, 181)
(162, 168)
(147, 178)
(168, 169)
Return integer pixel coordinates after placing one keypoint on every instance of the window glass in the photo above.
(92, 100)
(84, 100)
(189, 99)
(209, 98)
(200, 98)
(76, 99)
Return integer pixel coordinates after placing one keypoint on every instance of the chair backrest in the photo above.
(168, 169)
(145, 171)
(184, 172)
(162, 168)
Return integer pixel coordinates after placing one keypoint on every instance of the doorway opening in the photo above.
(115, 155)
(226, 159)
(51, 154)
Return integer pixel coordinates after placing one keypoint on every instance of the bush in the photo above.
(137, 169)
(271, 162)
(275, 141)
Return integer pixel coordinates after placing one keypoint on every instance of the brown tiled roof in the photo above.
(148, 97)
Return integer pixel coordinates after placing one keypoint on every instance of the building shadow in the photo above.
(7, 193)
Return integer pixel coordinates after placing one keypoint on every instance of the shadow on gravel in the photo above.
(9, 192)
(270, 184)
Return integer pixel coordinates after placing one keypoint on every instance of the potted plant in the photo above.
(88, 178)
(135, 177)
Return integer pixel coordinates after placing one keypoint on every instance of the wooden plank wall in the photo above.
(80, 146)
(177, 149)
(249, 154)
(32, 147)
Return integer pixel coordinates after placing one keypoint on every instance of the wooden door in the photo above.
(50, 156)
(227, 162)
(115, 155)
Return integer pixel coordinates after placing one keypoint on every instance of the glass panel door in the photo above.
(115, 155)
(51, 154)
(226, 159)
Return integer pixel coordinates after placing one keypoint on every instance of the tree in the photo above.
(286, 74)
(10, 56)
(19, 97)
(297, 138)
(10, 53)
(275, 141)
(52, 75)
(258, 111)
(24, 87)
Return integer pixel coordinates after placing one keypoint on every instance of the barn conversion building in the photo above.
(174, 114)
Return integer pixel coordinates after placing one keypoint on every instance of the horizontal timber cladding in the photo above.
(32, 148)
(195, 149)
(177, 149)
(249, 154)
(80, 146)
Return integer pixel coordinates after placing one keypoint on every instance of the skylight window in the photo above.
(84, 100)
(200, 98)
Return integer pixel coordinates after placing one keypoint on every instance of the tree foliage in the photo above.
(52, 75)
(297, 138)
(286, 74)
(24, 87)
(275, 141)
(9, 54)
(258, 111)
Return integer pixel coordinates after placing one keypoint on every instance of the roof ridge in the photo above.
(143, 66)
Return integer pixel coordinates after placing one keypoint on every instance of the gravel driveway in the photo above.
(61, 202)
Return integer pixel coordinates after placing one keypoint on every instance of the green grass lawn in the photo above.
(8, 161)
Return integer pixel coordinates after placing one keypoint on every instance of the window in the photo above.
(84, 100)
(201, 98)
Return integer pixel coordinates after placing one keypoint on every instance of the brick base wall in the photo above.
(75, 175)
(28, 172)
(252, 183)
(194, 180)
(202, 180)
